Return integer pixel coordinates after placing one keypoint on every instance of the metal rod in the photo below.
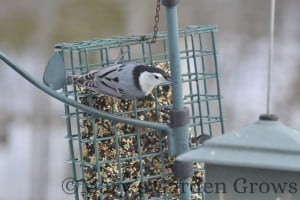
(217, 81)
(72, 158)
(271, 47)
(80, 106)
(180, 133)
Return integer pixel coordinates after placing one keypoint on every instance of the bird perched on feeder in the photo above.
(127, 81)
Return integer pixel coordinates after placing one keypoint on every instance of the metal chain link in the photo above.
(156, 20)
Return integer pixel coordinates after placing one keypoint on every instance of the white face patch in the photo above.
(150, 80)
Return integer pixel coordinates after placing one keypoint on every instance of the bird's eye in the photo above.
(156, 77)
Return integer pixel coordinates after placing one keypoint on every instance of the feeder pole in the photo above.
(178, 141)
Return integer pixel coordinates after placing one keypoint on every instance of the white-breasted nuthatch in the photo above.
(127, 81)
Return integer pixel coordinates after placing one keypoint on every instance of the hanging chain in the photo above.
(156, 20)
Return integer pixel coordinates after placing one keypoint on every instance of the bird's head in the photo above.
(150, 77)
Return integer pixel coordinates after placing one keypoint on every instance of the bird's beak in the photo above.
(169, 80)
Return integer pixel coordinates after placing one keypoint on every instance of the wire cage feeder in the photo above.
(116, 160)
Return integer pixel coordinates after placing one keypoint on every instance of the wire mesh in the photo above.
(114, 160)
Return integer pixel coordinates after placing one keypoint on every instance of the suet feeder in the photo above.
(259, 161)
(113, 159)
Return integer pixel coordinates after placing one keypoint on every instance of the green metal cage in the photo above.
(116, 160)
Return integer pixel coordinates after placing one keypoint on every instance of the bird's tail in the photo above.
(85, 80)
(71, 79)
(80, 79)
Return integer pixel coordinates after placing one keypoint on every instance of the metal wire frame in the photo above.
(201, 95)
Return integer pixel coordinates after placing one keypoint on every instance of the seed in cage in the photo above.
(106, 150)
(150, 143)
(84, 151)
(104, 127)
(128, 146)
(91, 175)
(169, 161)
(132, 190)
(151, 165)
(142, 129)
(86, 125)
(90, 169)
(172, 185)
(88, 152)
(91, 192)
(90, 148)
(110, 172)
(124, 128)
(124, 105)
(152, 117)
(83, 100)
(142, 117)
(164, 116)
(117, 193)
(86, 133)
(154, 188)
(197, 179)
(130, 169)
(135, 185)
(93, 159)
(103, 103)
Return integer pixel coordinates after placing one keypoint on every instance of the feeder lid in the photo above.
(267, 143)
(55, 73)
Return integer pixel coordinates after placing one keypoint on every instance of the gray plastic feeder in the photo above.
(259, 161)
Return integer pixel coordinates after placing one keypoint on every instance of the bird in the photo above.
(201, 138)
(126, 81)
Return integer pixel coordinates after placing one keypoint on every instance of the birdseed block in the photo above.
(115, 160)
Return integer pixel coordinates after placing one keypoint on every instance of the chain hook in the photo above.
(156, 20)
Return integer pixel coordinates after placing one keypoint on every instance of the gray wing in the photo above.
(118, 82)
(115, 80)
(107, 81)
(92, 79)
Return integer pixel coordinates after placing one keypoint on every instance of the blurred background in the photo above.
(33, 151)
